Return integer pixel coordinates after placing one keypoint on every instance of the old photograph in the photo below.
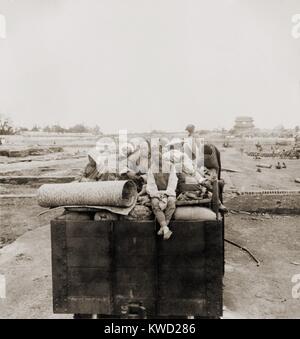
(150, 161)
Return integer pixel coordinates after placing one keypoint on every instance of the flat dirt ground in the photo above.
(264, 291)
(248, 179)
(249, 291)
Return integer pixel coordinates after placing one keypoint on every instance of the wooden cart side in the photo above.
(59, 266)
(90, 260)
(100, 266)
(134, 267)
(214, 268)
(193, 268)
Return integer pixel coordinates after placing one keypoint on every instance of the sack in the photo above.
(140, 212)
(189, 213)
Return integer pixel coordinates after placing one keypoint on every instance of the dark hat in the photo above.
(190, 128)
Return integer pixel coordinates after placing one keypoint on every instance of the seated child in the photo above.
(161, 188)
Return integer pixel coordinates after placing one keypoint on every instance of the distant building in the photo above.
(244, 126)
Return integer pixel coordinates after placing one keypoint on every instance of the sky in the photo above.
(149, 64)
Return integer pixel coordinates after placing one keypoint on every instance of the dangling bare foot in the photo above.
(161, 231)
(223, 208)
(167, 233)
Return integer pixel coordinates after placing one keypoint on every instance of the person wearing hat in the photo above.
(191, 146)
(90, 172)
(191, 130)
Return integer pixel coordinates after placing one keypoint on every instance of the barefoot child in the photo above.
(161, 188)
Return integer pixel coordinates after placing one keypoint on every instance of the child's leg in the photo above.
(222, 207)
(169, 211)
(166, 232)
(159, 214)
(171, 207)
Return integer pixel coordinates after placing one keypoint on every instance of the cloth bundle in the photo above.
(140, 213)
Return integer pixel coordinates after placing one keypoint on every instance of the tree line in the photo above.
(78, 128)
(7, 128)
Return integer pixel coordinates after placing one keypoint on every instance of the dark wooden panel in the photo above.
(129, 245)
(134, 250)
(187, 229)
(112, 263)
(181, 307)
(87, 305)
(182, 283)
(134, 264)
(182, 288)
(59, 266)
(132, 229)
(181, 260)
(89, 282)
(183, 246)
(134, 261)
(88, 229)
(88, 252)
(214, 268)
(134, 283)
(186, 239)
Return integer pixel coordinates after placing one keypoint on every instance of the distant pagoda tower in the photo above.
(244, 126)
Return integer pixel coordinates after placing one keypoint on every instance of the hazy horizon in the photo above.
(142, 65)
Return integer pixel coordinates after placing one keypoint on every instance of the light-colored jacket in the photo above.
(184, 164)
(152, 188)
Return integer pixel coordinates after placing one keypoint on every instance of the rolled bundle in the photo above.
(121, 194)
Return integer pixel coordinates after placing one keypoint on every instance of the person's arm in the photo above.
(82, 175)
(151, 187)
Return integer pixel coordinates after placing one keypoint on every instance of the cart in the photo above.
(122, 269)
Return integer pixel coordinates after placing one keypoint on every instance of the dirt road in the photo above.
(265, 291)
